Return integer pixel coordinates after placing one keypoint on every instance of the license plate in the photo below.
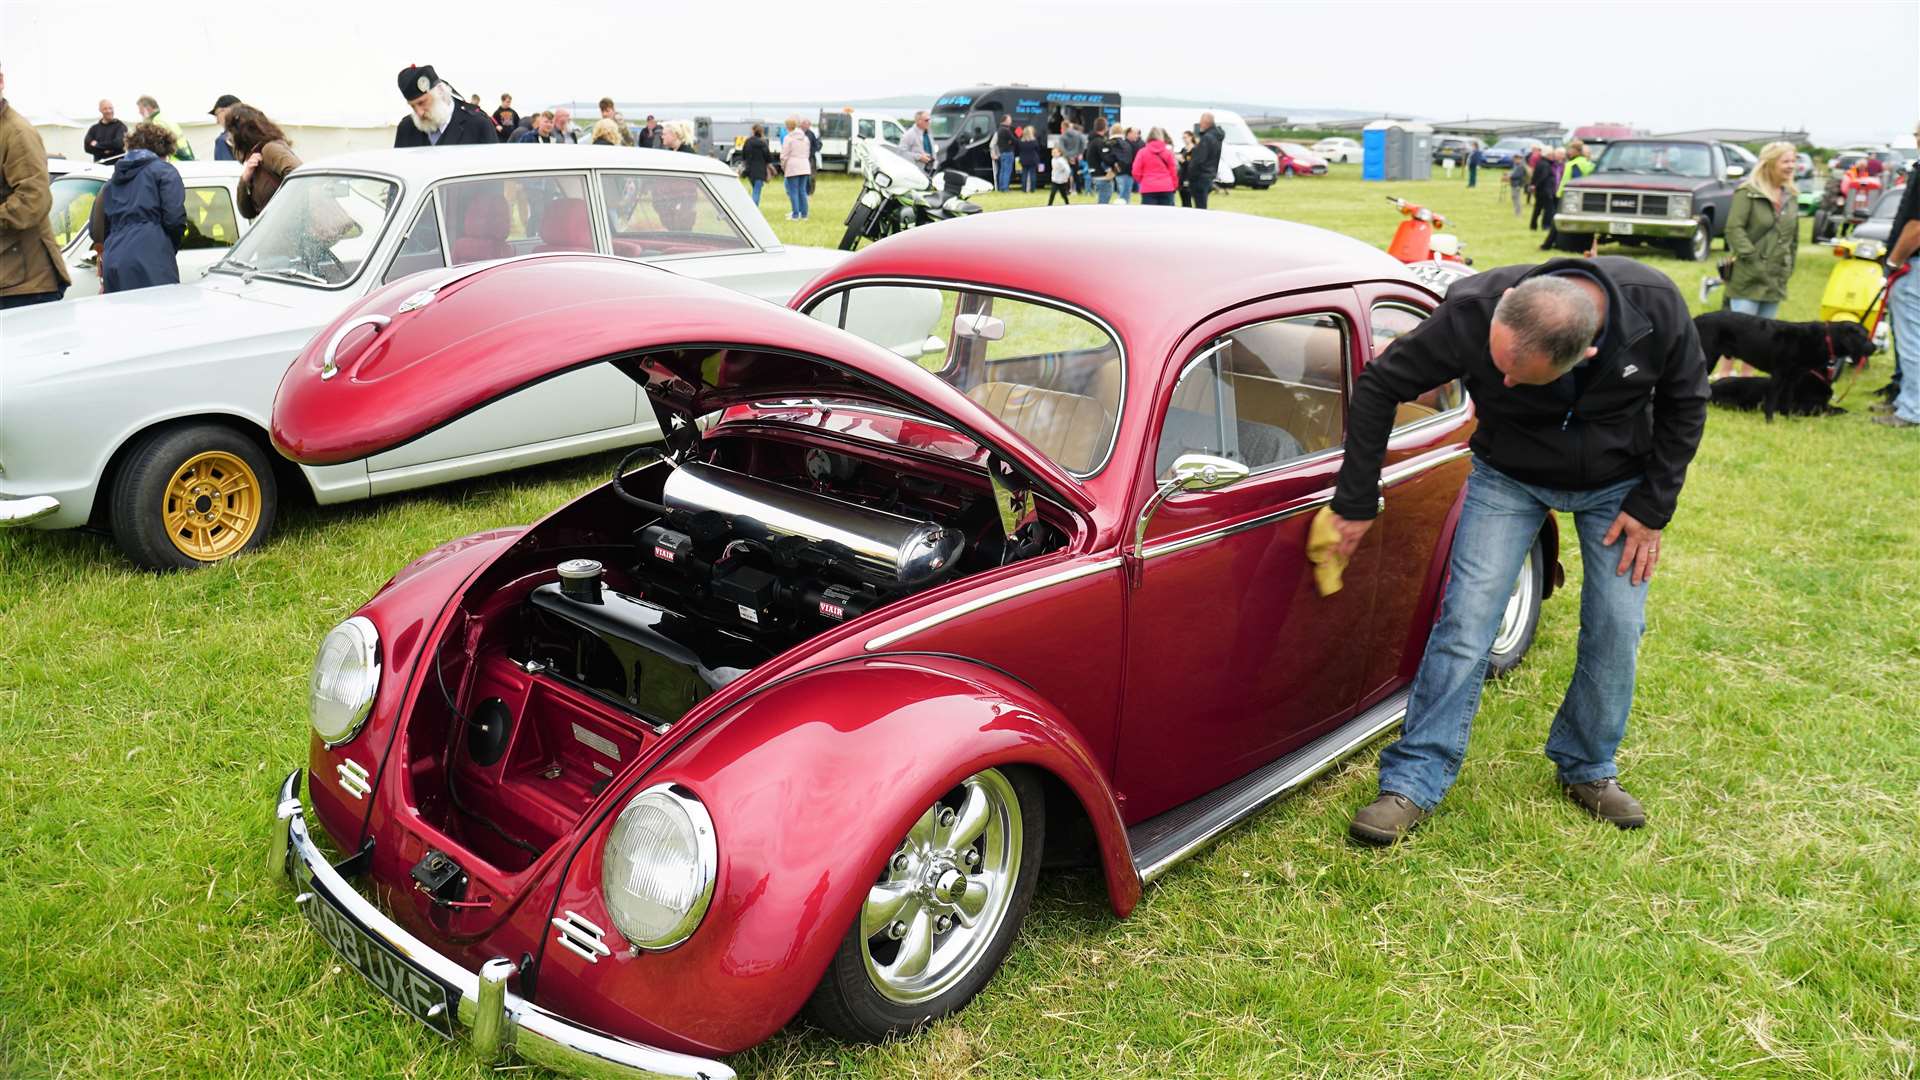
(1621, 228)
(422, 996)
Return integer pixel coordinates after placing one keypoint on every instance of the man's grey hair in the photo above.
(1550, 315)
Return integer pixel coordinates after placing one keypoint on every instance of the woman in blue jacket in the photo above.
(140, 216)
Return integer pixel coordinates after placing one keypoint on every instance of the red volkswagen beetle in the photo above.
(992, 549)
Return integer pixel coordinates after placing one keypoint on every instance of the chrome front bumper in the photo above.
(1664, 228)
(498, 1021)
(23, 510)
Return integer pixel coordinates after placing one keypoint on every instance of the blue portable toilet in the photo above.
(1373, 151)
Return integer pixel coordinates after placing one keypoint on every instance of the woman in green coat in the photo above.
(1763, 233)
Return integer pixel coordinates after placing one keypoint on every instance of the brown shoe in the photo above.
(1386, 820)
(1608, 801)
(1894, 421)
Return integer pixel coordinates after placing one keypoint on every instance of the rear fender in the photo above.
(811, 784)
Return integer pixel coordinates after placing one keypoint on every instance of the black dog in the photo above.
(1810, 395)
(1784, 350)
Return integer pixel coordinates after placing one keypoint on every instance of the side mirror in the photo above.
(1191, 472)
(979, 327)
(1205, 472)
(1735, 172)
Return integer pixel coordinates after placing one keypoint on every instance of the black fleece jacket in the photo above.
(1636, 409)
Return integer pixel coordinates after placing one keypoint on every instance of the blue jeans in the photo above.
(1903, 307)
(757, 185)
(1003, 173)
(1123, 187)
(1156, 198)
(1103, 189)
(1497, 527)
(797, 195)
(1766, 309)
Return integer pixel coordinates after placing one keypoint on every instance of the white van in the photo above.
(1243, 161)
(839, 127)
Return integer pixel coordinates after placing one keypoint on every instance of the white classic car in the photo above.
(214, 223)
(145, 412)
(1336, 148)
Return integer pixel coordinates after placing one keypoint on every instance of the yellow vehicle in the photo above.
(1857, 288)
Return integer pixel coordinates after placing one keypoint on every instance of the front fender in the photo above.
(811, 784)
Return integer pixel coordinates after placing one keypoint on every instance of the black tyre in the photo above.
(1697, 247)
(856, 227)
(943, 913)
(1522, 618)
(186, 497)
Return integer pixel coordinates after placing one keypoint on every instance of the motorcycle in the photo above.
(1436, 258)
(1856, 289)
(896, 195)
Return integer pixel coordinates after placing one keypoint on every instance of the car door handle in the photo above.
(328, 369)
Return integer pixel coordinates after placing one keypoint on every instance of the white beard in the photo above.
(438, 113)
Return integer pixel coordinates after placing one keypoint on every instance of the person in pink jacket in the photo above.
(796, 164)
(1155, 173)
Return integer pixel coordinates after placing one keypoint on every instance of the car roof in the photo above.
(190, 171)
(1151, 273)
(428, 163)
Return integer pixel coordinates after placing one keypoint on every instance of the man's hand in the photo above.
(1641, 551)
(1350, 533)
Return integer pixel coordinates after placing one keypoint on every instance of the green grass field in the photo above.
(1766, 923)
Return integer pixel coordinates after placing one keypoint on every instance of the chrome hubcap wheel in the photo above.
(1513, 622)
(944, 894)
(1702, 241)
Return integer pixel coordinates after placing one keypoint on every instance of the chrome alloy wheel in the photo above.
(1513, 621)
(941, 899)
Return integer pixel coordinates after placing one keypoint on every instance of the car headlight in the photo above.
(658, 868)
(1570, 203)
(1680, 206)
(1869, 249)
(346, 672)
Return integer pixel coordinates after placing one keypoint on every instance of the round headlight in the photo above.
(345, 675)
(658, 868)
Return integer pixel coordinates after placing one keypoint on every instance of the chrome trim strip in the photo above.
(1404, 473)
(1170, 546)
(1285, 784)
(1119, 343)
(1012, 591)
(532, 1032)
(31, 508)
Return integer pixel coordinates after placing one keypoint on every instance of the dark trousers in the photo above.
(1542, 206)
(1198, 196)
(1160, 198)
(33, 298)
(1064, 189)
(1473, 174)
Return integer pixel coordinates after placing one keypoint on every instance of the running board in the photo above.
(1160, 842)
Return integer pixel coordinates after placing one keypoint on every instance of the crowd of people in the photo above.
(1107, 161)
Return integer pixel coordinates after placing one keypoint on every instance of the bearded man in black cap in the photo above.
(438, 118)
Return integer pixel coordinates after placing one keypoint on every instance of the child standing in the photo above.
(1061, 176)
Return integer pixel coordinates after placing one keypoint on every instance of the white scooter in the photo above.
(897, 195)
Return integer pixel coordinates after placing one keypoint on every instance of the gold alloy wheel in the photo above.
(211, 506)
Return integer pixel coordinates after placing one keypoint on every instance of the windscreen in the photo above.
(319, 230)
(1052, 375)
(1663, 158)
(1237, 132)
(945, 122)
(72, 205)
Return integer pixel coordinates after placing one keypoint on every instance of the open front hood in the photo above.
(428, 349)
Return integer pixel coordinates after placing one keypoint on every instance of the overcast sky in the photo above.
(1842, 70)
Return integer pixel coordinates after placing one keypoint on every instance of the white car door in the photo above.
(212, 230)
(580, 412)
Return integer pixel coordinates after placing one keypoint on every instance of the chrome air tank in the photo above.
(882, 548)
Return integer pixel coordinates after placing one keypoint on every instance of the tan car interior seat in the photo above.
(1071, 429)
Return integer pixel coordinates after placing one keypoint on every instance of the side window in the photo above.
(1264, 395)
(891, 131)
(210, 220)
(72, 206)
(420, 250)
(1389, 322)
(866, 129)
(653, 215)
(500, 217)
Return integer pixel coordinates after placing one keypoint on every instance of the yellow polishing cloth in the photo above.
(1323, 541)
